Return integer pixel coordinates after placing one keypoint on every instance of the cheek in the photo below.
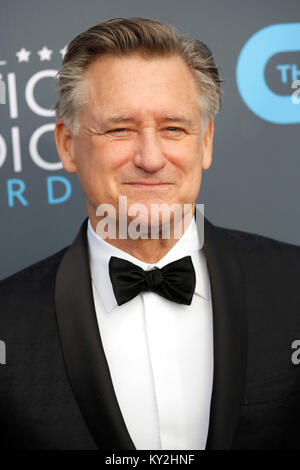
(189, 166)
(103, 166)
(184, 154)
(109, 156)
(192, 175)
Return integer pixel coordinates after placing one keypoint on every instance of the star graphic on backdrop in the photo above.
(45, 53)
(63, 51)
(23, 55)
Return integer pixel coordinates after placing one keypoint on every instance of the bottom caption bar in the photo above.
(137, 459)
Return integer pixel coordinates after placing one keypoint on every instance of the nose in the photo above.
(148, 154)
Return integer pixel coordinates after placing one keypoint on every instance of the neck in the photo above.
(149, 250)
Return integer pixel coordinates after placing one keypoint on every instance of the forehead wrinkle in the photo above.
(127, 118)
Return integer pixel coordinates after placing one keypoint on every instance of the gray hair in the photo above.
(143, 36)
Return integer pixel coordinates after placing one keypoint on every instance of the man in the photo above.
(153, 342)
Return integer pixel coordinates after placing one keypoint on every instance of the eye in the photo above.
(174, 129)
(121, 129)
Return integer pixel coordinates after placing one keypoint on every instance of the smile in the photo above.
(144, 185)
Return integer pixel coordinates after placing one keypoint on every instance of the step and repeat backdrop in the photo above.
(254, 181)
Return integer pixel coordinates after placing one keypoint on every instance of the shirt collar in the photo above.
(101, 251)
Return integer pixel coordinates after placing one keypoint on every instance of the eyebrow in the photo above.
(167, 118)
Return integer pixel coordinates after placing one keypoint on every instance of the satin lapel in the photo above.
(84, 356)
(229, 323)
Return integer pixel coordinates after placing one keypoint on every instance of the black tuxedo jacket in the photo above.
(55, 388)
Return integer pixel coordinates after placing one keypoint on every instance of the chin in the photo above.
(154, 217)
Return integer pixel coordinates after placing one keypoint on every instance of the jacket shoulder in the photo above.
(35, 272)
(27, 303)
(269, 266)
(249, 242)
(30, 284)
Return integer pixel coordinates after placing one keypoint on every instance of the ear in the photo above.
(208, 145)
(64, 144)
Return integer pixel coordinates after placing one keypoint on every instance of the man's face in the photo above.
(140, 134)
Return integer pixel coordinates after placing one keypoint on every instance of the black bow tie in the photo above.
(176, 281)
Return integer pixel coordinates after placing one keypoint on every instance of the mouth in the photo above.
(149, 185)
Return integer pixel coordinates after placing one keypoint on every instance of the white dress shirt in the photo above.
(159, 353)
